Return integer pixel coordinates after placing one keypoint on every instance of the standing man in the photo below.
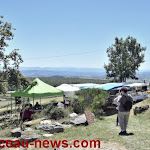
(125, 105)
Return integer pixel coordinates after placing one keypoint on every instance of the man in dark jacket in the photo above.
(123, 113)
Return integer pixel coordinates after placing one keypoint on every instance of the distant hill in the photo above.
(69, 72)
(73, 72)
(144, 75)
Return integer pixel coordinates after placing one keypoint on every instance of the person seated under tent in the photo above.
(26, 113)
(37, 106)
(31, 107)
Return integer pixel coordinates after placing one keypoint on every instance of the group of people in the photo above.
(27, 111)
(124, 103)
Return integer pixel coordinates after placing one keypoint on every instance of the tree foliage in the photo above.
(93, 99)
(125, 57)
(9, 61)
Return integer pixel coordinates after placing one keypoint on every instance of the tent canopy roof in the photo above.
(109, 86)
(137, 84)
(67, 88)
(41, 89)
(85, 85)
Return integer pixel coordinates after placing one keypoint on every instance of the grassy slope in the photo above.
(105, 130)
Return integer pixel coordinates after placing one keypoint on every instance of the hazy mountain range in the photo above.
(62, 71)
(73, 72)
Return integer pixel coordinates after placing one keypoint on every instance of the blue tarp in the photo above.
(110, 86)
(87, 87)
(107, 86)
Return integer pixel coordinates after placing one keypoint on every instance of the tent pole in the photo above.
(7, 106)
(11, 106)
(15, 107)
(33, 99)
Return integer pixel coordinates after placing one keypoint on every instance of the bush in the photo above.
(57, 113)
(50, 106)
(77, 106)
(38, 115)
(53, 112)
(67, 111)
(98, 113)
(93, 99)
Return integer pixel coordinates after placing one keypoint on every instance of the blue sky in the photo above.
(78, 32)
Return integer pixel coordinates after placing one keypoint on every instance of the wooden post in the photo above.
(40, 100)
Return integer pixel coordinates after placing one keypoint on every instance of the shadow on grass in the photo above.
(110, 110)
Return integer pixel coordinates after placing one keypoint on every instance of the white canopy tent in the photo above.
(69, 90)
(137, 84)
(81, 86)
(135, 95)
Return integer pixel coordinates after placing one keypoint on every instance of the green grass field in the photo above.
(106, 131)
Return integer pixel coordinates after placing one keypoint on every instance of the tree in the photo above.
(9, 62)
(125, 57)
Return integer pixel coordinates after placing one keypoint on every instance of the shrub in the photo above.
(38, 115)
(98, 113)
(77, 106)
(50, 106)
(53, 112)
(93, 99)
(67, 111)
(57, 113)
